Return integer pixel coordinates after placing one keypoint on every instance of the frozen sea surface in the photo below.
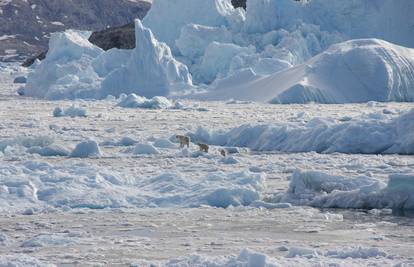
(154, 207)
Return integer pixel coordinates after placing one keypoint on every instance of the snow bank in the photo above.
(378, 134)
(39, 186)
(86, 149)
(349, 72)
(327, 191)
(71, 111)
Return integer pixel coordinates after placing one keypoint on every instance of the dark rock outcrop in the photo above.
(26, 24)
(122, 37)
(239, 3)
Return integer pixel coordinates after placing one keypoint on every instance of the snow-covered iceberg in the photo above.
(354, 71)
(278, 51)
(75, 68)
(151, 71)
(374, 134)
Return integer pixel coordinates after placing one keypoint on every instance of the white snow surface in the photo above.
(370, 134)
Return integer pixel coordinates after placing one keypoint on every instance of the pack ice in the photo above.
(36, 186)
(278, 51)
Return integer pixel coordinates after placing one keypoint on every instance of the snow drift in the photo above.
(327, 191)
(374, 134)
(354, 71)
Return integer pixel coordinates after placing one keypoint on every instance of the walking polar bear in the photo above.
(184, 140)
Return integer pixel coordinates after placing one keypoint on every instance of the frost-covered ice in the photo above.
(371, 134)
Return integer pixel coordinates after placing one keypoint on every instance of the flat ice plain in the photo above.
(124, 206)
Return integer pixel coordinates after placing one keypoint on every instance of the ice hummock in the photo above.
(367, 135)
(329, 191)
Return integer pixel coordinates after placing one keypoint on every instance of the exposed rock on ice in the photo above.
(369, 135)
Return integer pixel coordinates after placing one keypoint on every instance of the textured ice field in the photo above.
(158, 206)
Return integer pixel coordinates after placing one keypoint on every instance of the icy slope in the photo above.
(349, 72)
(375, 134)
